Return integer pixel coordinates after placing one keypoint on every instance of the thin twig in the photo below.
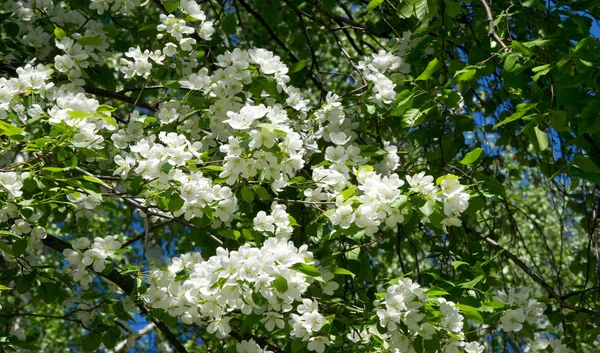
(146, 329)
(549, 289)
(148, 211)
(491, 31)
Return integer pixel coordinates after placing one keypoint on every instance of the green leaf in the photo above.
(8, 129)
(405, 102)
(148, 27)
(53, 169)
(585, 164)
(230, 233)
(457, 264)
(78, 115)
(280, 283)
(111, 337)
(453, 9)
(174, 84)
(405, 9)
(19, 247)
(522, 109)
(472, 283)
(494, 187)
(510, 62)
(12, 29)
(465, 75)
(59, 33)
(90, 40)
(348, 192)
(422, 9)
(262, 193)
(229, 24)
(472, 156)
(470, 313)
(343, 271)
(293, 221)
(48, 291)
(247, 195)
(91, 342)
(297, 345)
(308, 270)
(109, 119)
(517, 46)
(412, 117)
(373, 4)
(298, 66)
(542, 138)
(92, 179)
(5, 249)
(3, 287)
(176, 203)
(540, 71)
(433, 66)
(171, 5)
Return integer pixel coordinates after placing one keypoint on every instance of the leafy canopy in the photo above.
(299, 176)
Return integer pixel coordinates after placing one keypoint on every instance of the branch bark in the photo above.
(491, 31)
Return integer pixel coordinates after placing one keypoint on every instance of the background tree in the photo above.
(294, 176)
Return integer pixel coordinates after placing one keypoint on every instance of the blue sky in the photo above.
(595, 29)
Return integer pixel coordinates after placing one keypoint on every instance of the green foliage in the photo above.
(511, 110)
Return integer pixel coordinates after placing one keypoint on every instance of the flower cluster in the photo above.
(379, 197)
(404, 317)
(72, 61)
(450, 192)
(277, 223)
(250, 280)
(13, 182)
(178, 29)
(374, 69)
(140, 64)
(30, 78)
(84, 114)
(554, 344)
(378, 194)
(522, 309)
(115, 6)
(85, 204)
(36, 234)
(250, 346)
(166, 160)
(80, 259)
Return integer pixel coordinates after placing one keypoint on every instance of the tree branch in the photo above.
(113, 95)
(273, 35)
(148, 211)
(549, 289)
(491, 32)
(592, 142)
(145, 330)
(127, 284)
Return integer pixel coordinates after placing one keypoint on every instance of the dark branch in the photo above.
(120, 97)
(127, 284)
(273, 35)
(492, 243)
